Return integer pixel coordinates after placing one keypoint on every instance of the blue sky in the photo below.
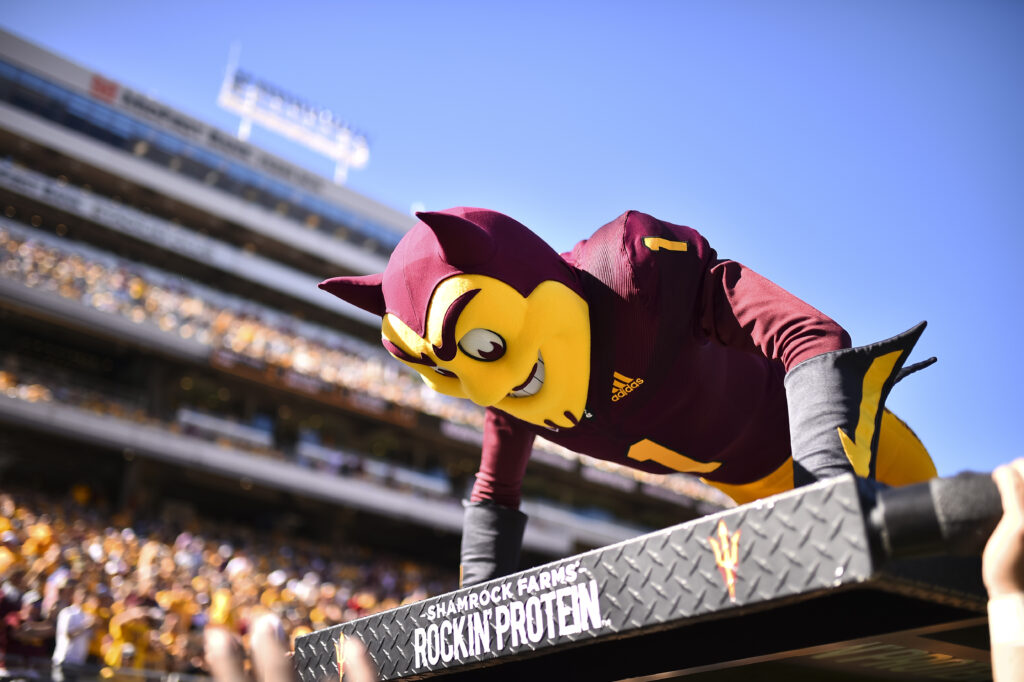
(867, 155)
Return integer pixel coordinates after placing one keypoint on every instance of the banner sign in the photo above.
(316, 128)
(751, 555)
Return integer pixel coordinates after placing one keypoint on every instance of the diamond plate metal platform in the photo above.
(789, 580)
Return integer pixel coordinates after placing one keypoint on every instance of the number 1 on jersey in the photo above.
(658, 243)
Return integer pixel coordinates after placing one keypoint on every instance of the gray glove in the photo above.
(492, 536)
(836, 402)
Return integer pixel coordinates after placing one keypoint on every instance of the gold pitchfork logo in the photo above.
(727, 555)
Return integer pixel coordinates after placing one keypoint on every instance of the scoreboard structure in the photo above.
(790, 587)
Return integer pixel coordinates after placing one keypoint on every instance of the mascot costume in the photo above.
(641, 347)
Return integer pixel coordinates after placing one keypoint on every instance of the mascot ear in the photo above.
(364, 292)
(463, 242)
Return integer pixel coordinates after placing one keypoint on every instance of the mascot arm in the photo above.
(492, 536)
(744, 310)
(835, 394)
(493, 526)
(836, 401)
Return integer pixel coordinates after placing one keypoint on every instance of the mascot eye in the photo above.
(445, 373)
(482, 344)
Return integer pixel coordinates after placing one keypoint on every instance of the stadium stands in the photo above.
(224, 427)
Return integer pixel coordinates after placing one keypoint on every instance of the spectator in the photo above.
(226, 657)
(74, 632)
(10, 550)
(1003, 572)
(10, 601)
(29, 635)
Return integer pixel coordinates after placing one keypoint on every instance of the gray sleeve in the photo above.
(835, 405)
(492, 536)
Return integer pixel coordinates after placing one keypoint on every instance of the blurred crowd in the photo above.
(101, 591)
(244, 328)
(212, 318)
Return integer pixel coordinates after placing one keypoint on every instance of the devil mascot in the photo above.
(641, 347)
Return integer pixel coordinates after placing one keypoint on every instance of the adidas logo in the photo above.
(623, 386)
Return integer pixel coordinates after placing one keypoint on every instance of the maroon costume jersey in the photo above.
(688, 355)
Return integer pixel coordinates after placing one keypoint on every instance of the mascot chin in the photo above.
(640, 347)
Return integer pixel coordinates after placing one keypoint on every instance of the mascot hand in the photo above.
(492, 536)
(836, 401)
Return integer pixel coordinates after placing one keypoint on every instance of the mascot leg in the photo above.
(902, 458)
(778, 481)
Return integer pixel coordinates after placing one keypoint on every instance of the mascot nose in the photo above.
(484, 392)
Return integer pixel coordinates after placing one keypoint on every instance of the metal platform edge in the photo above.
(785, 547)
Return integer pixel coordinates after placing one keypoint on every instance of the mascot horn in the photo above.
(452, 242)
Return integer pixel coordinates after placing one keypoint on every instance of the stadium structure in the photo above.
(164, 343)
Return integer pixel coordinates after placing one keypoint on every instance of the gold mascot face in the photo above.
(527, 356)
